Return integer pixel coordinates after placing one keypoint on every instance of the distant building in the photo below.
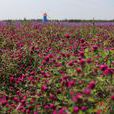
(45, 17)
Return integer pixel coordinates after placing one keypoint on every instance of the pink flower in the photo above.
(52, 106)
(46, 107)
(95, 47)
(76, 109)
(112, 97)
(55, 112)
(103, 67)
(78, 70)
(77, 97)
(82, 61)
(70, 83)
(46, 75)
(89, 60)
(16, 99)
(62, 111)
(50, 55)
(32, 73)
(87, 91)
(71, 63)
(35, 112)
(44, 88)
(58, 64)
(91, 85)
(46, 58)
(28, 111)
(84, 108)
(108, 71)
(11, 79)
(67, 35)
(3, 100)
(81, 53)
(52, 96)
(82, 40)
(30, 78)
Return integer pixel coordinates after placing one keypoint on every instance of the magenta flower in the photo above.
(95, 47)
(35, 112)
(62, 111)
(11, 79)
(16, 99)
(77, 97)
(52, 97)
(103, 67)
(76, 109)
(112, 97)
(108, 71)
(44, 88)
(70, 83)
(55, 112)
(71, 63)
(52, 106)
(46, 107)
(3, 100)
(82, 40)
(84, 108)
(32, 73)
(82, 61)
(91, 85)
(67, 35)
(81, 53)
(78, 70)
(87, 91)
(89, 60)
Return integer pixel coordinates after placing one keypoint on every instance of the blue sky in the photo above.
(57, 9)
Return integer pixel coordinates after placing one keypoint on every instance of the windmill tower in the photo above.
(45, 17)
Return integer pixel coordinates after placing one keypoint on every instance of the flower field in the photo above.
(56, 68)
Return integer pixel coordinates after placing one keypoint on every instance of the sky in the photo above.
(57, 9)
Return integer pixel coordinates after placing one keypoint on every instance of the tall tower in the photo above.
(45, 17)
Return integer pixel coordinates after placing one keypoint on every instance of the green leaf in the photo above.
(86, 50)
(70, 71)
(60, 97)
(100, 79)
(81, 112)
(91, 99)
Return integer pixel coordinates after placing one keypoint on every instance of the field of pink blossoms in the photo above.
(56, 68)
